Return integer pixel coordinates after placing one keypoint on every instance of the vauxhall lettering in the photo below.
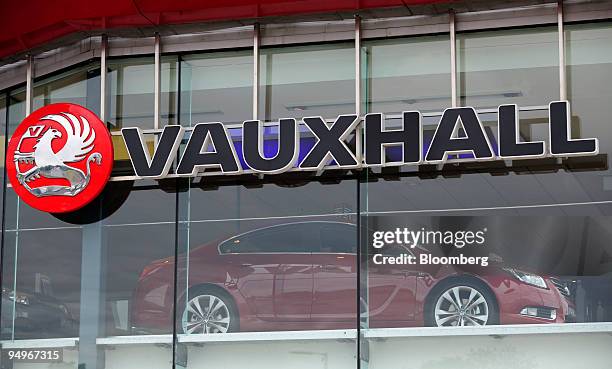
(275, 148)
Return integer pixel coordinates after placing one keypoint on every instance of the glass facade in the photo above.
(406, 74)
(490, 74)
(216, 87)
(319, 271)
(131, 91)
(79, 85)
(313, 80)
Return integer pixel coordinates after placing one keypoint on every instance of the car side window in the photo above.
(338, 238)
(290, 238)
(275, 240)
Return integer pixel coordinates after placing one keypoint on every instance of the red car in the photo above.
(300, 276)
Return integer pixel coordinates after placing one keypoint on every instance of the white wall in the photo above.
(537, 351)
(549, 351)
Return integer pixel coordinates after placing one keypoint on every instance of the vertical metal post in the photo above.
(93, 258)
(453, 57)
(103, 70)
(562, 71)
(358, 65)
(256, 40)
(362, 360)
(29, 87)
(157, 79)
(91, 309)
(358, 134)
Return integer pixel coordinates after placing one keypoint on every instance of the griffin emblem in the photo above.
(50, 164)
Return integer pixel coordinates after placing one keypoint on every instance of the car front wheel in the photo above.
(209, 312)
(462, 303)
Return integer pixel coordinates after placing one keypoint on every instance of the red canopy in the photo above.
(25, 24)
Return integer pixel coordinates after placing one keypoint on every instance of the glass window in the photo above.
(406, 74)
(217, 87)
(589, 70)
(131, 99)
(16, 104)
(131, 88)
(299, 237)
(518, 242)
(144, 276)
(490, 73)
(41, 283)
(139, 242)
(78, 86)
(276, 239)
(71, 277)
(252, 258)
(338, 238)
(314, 80)
(82, 279)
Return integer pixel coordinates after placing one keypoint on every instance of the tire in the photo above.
(477, 304)
(196, 318)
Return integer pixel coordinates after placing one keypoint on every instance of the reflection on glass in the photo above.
(78, 86)
(477, 270)
(216, 87)
(260, 262)
(293, 198)
(307, 81)
(263, 257)
(41, 283)
(508, 67)
(138, 234)
(589, 70)
(521, 184)
(16, 106)
(251, 276)
(406, 74)
(131, 88)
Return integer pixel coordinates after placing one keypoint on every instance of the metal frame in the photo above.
(320, 31)
(225, 36)
(453, 57)
(256, 82)
(103, 77)
(562, 69)
(29, 85)
(358, 65)
(360, 29)
(157, 82)
(358, 88)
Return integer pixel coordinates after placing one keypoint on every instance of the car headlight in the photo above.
(529, 278)
(22, 299)
(19, 298)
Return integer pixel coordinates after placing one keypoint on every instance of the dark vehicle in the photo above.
(34, 315)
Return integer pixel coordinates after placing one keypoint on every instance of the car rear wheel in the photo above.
(462, 303)
(209, 311)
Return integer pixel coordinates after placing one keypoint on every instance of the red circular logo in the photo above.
(59, 158)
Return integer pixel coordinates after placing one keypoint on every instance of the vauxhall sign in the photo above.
(50, 156)
(210, 145)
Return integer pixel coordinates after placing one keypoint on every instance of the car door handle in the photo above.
(246, 265)
(328, 267)
(417, 274)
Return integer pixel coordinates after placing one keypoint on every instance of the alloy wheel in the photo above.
(461, 306)
(206, 314)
